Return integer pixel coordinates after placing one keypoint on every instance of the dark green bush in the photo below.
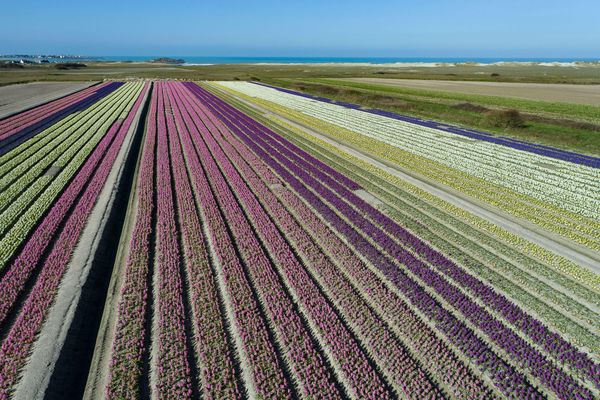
(69, 65)
(504, 119)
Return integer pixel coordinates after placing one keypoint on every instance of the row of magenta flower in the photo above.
(56, 235)
(217, 202)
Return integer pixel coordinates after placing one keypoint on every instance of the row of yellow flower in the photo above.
(553, 194)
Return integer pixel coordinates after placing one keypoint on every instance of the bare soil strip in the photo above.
(39, 371)
(17, 98)
(553, 92)
(545, 239)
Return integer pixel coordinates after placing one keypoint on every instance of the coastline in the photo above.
(387, 62)
(572, 64)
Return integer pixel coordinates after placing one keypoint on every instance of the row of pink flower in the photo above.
(216, 363)
(391, 355)
(258, 354)
(172, 366)
(27, 118)
(125, 369)
(22, 333)
(534, 362)
(303, 357)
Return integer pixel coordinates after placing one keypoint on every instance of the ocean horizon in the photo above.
(210, 60)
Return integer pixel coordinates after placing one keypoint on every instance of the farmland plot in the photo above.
(260, 258)
(255, 268)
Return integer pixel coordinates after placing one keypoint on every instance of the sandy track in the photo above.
(16, 98)
(525, 229)
(47, 349)
(578, 94)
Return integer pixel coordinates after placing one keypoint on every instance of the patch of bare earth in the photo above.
(564, 93)
(16, 98)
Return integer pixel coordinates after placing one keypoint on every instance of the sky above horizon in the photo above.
(336, 28)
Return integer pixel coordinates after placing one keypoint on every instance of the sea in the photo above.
(208, 60)
(203, 60)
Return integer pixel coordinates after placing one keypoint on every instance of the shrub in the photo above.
(504, 119)
(70, 65)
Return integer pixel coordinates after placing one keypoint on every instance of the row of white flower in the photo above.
(567, 185)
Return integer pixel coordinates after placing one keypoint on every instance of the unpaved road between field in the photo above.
(16, 98)
(553, 92)
(525, 229)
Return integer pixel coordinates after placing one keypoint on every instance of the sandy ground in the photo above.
(46, 351)
(525, 229)
(15, 98)
(578, 94)
(369, 198)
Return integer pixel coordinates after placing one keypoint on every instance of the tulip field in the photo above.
(261, 256)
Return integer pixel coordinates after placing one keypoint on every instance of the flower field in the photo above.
(260, 259)
(558, 195)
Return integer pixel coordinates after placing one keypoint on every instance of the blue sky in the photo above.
(366, 28)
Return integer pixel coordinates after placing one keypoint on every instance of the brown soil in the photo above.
(567, 93)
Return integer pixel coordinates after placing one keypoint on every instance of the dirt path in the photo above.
(17, 98)
(47, 349)
(564, 93)
(547, 240)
